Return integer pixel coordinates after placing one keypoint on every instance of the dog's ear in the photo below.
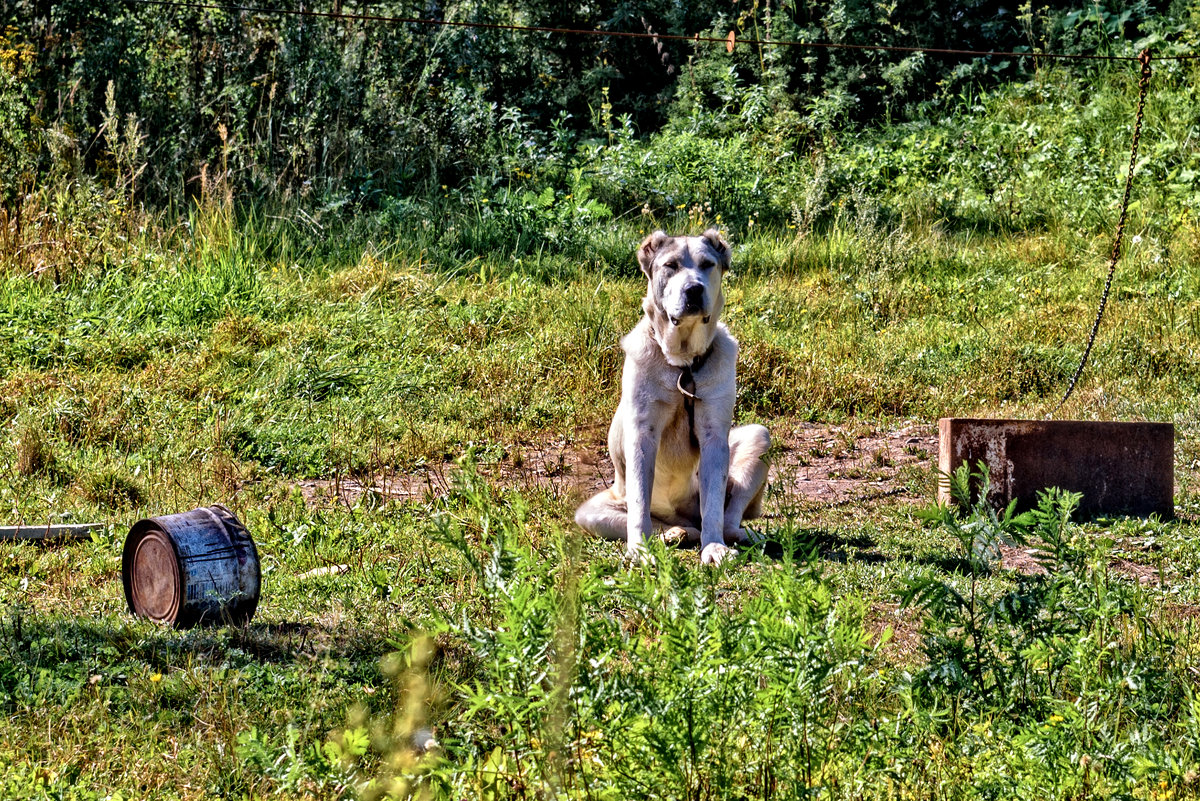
(650, 246)
(713, 237)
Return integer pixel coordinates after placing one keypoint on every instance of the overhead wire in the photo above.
(730, 40)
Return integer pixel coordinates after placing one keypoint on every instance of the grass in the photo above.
(130, 399)
(268, 360)
(786, 662)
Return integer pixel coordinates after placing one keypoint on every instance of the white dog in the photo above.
(679, 466)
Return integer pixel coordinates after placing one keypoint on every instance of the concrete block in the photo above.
(1121, 468)
(57, 531)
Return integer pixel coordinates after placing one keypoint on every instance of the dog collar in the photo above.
(687, 375)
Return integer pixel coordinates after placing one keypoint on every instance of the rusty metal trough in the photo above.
(1120, 468)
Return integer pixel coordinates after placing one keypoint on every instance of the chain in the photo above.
(1115, 255)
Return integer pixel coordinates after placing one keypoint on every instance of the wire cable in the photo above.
(729, 40)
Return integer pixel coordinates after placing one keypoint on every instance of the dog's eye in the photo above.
(671, 265)
(705, 264)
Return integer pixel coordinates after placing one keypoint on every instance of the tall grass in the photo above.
(570, 679)
(467, 644)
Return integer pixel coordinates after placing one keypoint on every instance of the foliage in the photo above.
(519, 221)
(1068, 643)
(303, 267)
(350, 112)
(20, 127)
(965, 657)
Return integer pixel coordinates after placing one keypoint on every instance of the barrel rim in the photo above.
(137, 533)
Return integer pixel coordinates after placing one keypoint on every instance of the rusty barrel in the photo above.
(193, 568)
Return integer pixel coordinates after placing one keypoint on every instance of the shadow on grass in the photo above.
(43, 639)
(947, 563)
(805, 544)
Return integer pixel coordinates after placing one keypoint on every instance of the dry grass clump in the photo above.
(241, 330)
(35, 457)
(112, 489)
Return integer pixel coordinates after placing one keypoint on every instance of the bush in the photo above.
(285, 106)
(1069, 631)
(112, 489)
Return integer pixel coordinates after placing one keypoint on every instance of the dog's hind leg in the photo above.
(604, 515)
(748, 466)
(677, 531)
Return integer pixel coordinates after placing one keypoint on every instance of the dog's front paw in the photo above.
(715, 553)
(637, 556)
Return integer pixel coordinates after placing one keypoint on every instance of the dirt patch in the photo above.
(1024, 560)
(1142, 574)
(905, 644)
(387, 486)
(811, 463)
(1021, 560)
(850, 463)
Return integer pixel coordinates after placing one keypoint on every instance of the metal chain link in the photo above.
(1115, 255)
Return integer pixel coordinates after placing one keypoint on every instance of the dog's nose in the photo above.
(693, 297)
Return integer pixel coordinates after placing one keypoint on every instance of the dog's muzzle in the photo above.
(677, 320)
(693, 304)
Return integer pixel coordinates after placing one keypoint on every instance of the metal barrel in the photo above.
(193, 568)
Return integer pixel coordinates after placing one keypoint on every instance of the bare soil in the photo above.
(815, 463)
(813, 466)
(1022, 560)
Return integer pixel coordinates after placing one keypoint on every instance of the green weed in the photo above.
(235, 310)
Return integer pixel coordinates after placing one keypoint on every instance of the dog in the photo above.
(681, 468)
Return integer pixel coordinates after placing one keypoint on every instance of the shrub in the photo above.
(112, 489)
(1071, 630)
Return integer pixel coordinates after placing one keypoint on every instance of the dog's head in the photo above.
(685, 275)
